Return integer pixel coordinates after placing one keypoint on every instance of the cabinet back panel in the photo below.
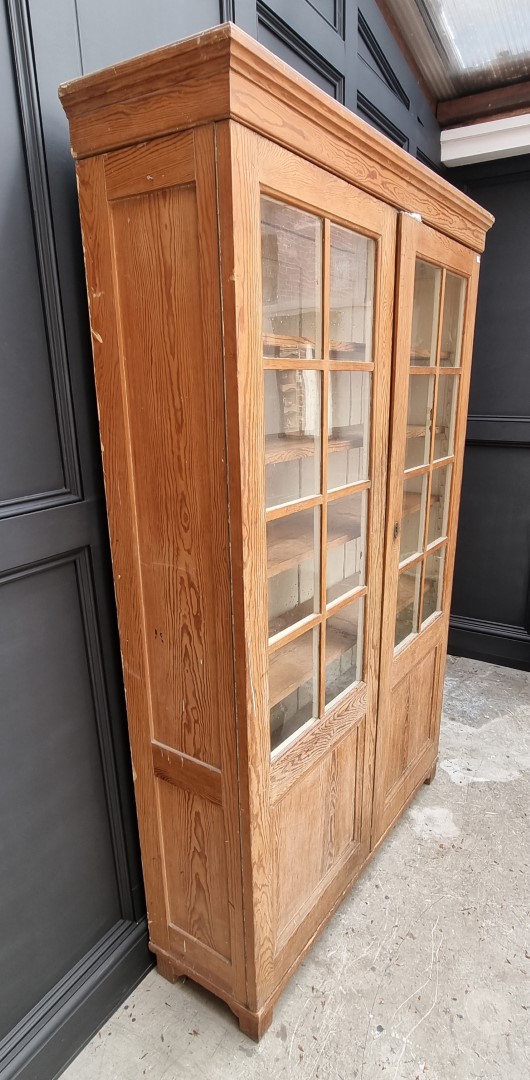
(168, 398)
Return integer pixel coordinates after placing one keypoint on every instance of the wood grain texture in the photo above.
(315, 820)
(160, 163)
(188, 773)
(240, 243)
(195, 868)
(224, 74)
(163, 278)
(485, 105)
(411, 679)
(158, 284)
(305, 753)
(121, 508)
(245, 858)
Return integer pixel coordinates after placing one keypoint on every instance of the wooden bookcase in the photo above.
(282, 309)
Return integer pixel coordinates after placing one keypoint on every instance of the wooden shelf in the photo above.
(418, 357)
(289, 618)
(406, 593)
(347, 350)
(290, 540)
(292, 666)
(412, 502)
(288, 347)
(418, 432)
(333, 592)
(279, 448)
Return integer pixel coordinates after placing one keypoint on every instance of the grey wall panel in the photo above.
(494, 536)
(301, 57)
(59, 891)
(72, 855)
(109, 32)
(30, 450)
(490, 617)
(377, 70)
(501, 375)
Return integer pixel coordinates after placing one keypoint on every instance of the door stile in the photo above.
(239, 227)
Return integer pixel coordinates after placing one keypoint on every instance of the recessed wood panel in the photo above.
(195, 866)
(172, 419)
(314, 826)
(408, 720)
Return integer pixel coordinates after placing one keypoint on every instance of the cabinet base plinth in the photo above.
(430, 776)
(254, 1024)
(166, 969)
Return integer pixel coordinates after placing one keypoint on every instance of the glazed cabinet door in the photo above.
(314, 278)
(434, 322)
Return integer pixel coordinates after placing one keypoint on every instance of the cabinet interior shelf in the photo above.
(417, 431)
(422, 357)
(407, 590)
(291, 347)
(279, 448)
(307, 607)
(291, 540)
(293, 665)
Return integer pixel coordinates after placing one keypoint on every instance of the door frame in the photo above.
(417, 240)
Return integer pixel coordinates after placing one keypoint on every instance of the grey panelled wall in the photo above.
(490, 618)
(73, 937)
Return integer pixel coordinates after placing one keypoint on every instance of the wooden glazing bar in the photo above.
(351, 365)
(292, 632)
(326, 285)
(275, 363)
(438, 349)
(409, 474)
(285, 509)
(348, 489)
(441, 463)
(343, 601)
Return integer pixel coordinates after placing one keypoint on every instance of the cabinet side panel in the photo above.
(162, 334)
(156, 266)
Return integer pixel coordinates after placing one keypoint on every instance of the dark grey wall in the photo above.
(491, 598)
(72, 934)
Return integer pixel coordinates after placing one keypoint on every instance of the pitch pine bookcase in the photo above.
(281, 306)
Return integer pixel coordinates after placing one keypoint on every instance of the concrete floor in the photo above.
(424, 972)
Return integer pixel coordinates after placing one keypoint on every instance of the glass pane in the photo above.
(419, 414)
(425, 314)
(291, 261)
(346, 544)
(439, 504)
(292, 435)
(408, 599)
(453, 318)
(432, 592)
(293, 686)
(344, 649)
(445, 416)
(351, 303)
(293, 560)
(413, 516)
(349, 427)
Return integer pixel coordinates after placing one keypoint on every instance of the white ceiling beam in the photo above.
(509, 136)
